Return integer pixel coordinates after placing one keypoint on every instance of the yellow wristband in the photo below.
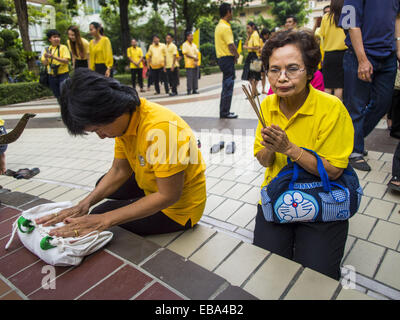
(301, 153)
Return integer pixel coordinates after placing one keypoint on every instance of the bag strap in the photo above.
(321, 170)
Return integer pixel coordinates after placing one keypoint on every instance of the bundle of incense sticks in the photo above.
(255, 104)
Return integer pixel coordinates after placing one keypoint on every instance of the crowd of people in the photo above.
(324, 106)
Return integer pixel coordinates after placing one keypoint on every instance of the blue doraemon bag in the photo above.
(296, 195)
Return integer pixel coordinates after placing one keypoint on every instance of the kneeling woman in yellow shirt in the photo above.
(100, 51)
(156, 182)
(299, 116)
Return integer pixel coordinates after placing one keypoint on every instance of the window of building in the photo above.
(94, 5)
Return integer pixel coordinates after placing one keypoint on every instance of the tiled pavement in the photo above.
(218, 254)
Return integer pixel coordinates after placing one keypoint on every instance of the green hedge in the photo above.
(22, 92)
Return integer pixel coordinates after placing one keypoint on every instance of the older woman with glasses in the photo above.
(299, 116)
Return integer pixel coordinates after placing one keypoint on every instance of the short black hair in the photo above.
(292, 17)
(155, 36)
(224, 9)
(52, 32)
(89, 98)
(171, 35)
(188, 33)
(265, 31)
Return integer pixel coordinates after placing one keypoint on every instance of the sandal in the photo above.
(359, 163)
(392, 186)
(26, 173)
(217, 147)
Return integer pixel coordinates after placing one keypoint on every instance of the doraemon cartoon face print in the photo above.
(294, 206)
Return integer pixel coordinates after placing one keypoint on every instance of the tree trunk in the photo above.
(189, 23)
(22, 14)
(124, 21)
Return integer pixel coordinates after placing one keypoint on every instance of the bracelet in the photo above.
(301, 153)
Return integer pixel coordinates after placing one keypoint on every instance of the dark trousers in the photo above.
(158, 75)
(128, 193)
(173, 77)
(55, 83)
(137, 73)
(192, 79)
(227, 66)
(396, 162)
(316, 245)
(367, 102)
(81, 63)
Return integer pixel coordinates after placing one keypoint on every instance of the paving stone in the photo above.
(8, 213)
(30, 186)
(389, 269)
(387, 157)
(185, 276)
(392, 196)
(244, 215)
(248, 177)
(395, 217)
(34, 203)
(364, 203)
(226, 209)
(16, 244)
(54, 193)
(210, 182)
(349, 242)
(190, 240)
(213, 201)
(218, 172)
(360, 225)
(214, 251)
(235, 293)
(376, 296)
(378, 287)
(130, 246)
(312, 285)
(222, 187)
(376, 176)
(71, 195)
(252, 196)
(379, 208)
(386, 234)
(374, 155)
(365, 257)
(16, 199)
(349, 294)
(46, 187)
(6, 227)
(375, 164)
(14, 184)
(16, 261)
(11, 296)
(122, 285)
(375, 190)
(237, 191)
(163, 239)
(158, 292)
(241, 263)
(73, 283)
(4, 287)
(273, 277)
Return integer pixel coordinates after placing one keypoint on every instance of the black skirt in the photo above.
(102, 68)
(332, 69)
(81, 63)
(247, 73)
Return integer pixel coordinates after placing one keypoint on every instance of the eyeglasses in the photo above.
(290, 73)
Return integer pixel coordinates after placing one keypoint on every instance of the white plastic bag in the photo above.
(55, 251)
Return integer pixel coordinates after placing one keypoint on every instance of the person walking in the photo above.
(191, 54)
(135, 56)
(101, 55)
(334, 48)
(156, 57)
(56, 58)
(370, 63)
(170, 64)
(227, 56)
(253, 47)
(79, 47)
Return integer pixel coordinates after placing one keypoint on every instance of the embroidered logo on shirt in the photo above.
(141, 161)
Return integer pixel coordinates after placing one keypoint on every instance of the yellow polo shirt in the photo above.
(64, 54)
(223, 37)
(171, 51)
(135, 54)
(332, 37)
(158, 144)
(190, 49)
(85, 53)
(322, 124)
(157, 54)
(1, 122)
(254, 41)
(101, 52)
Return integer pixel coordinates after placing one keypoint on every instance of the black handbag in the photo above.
(44, 75)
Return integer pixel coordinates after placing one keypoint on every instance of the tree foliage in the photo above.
(282, 9)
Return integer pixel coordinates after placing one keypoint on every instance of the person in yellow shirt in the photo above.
(171, 64)
(227, 56)
(298, 116)
(157, 179)
(79, 47)
(333, 44)
(156, 57)
(191, 54)
(253, 47)
(101, 55)
(56, 58)
(135, 56)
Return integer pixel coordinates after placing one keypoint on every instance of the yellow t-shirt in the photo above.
(260, 49)
(223, 37)
(171, 51)
(332, 37)
(190, 49)
(158, 144)
(254, 41)
(135, 54)
(1, 122)
(157, 55)
(80, 56)
(322, 124)
(101, 52)
(64, 54)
